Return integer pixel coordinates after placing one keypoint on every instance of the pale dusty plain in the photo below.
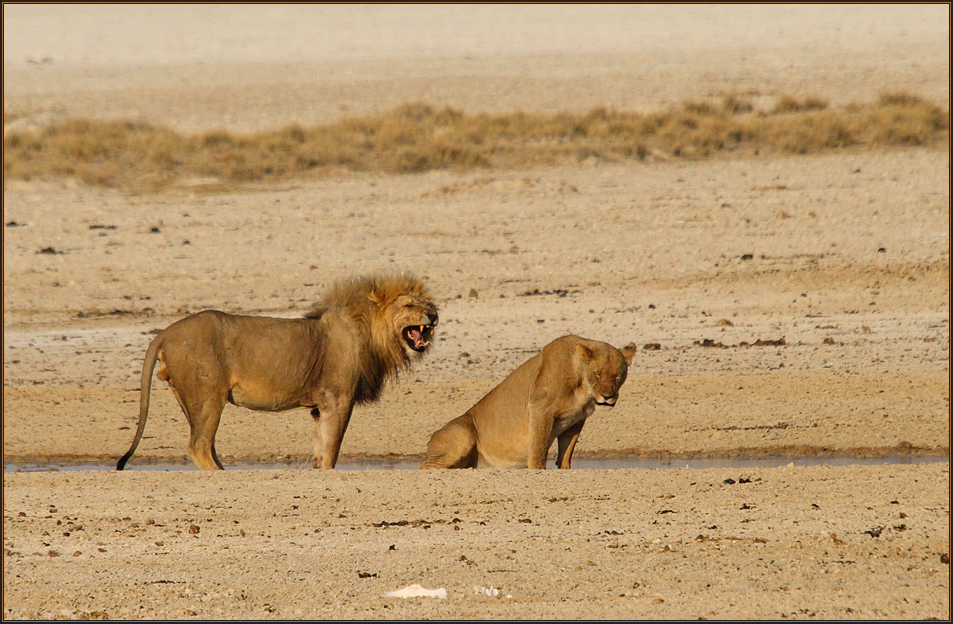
(844, 255)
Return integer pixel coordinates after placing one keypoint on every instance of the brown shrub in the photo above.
(417, 137)
(789, 104)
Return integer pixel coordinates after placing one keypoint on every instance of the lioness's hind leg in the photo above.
(453, 446)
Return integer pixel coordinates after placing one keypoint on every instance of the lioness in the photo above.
(339, 354)
(547, 398)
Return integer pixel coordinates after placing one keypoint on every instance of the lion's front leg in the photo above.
(331, 420)
(318, 447)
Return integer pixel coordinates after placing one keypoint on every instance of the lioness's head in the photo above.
(605, 369)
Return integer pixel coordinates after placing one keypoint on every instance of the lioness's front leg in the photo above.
(540, 428)
(566, 442)
(330, 420)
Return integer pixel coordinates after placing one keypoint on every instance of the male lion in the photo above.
(341, 353)
(548, 398)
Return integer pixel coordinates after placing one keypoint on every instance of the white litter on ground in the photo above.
(491, 591)
(416, 591)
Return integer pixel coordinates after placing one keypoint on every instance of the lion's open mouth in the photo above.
(418, 337)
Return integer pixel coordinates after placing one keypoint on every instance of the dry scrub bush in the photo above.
(788, 104)
(416, 137)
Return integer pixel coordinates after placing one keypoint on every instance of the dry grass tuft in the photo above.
(413, 138)
(788, 104)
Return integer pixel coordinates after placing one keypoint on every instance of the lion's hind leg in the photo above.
(203, 414)
(453, 446)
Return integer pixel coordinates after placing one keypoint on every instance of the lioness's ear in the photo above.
(628, 351)
(585, 354)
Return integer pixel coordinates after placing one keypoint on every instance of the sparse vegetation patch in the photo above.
(137, 155)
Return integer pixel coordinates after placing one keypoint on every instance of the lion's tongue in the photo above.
(417, 338)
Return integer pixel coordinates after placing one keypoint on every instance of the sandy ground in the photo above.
(845, 256)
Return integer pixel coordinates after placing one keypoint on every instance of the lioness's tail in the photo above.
(148, 365)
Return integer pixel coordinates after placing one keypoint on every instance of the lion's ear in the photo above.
(628, 351)
(585, 354)
(377, 297)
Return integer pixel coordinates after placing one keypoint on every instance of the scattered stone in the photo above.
(874, 532)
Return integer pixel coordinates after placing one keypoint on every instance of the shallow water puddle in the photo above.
(581, 463)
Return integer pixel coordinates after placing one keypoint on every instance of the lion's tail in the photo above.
(148, 365)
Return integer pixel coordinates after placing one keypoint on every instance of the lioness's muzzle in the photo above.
(610, 401)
